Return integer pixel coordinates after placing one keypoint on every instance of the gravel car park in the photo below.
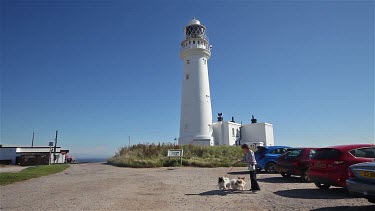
(96, 186)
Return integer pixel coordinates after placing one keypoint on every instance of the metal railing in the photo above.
(207, 47)
(201, 36)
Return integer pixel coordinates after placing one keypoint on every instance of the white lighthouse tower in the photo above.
(196, 113)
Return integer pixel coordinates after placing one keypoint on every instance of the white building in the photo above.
(196, 113)
(31, 155)
(232, 133)
(257, 134)
(226, 132)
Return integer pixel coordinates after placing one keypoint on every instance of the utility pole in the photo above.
(129, 140)
(54, 150)
(32, 140)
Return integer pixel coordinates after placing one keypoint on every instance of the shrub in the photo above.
(155, 155)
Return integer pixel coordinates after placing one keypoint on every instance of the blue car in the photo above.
(266, 157)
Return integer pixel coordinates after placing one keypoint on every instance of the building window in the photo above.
(233, 134)
(198, 42)
(189, 42)
(187, 61)
(187, 76)
(193, 42)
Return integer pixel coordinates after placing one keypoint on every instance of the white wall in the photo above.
(216, 133)
(223, 133)
(36, 149)
(196, 113)
(60, 158)
(269, 135)
(257, 133)
(232, 133)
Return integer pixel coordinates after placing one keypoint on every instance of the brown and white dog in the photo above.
(238, 184)
(224, 183)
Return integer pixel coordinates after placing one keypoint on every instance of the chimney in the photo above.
(220, 117)
(232, 119)
(253, 120)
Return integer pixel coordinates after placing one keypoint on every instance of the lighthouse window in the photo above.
(187, 76)
(187, 61)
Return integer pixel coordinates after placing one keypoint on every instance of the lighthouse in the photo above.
(196, 112)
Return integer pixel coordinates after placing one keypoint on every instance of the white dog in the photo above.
(224, 183)
(238, 184)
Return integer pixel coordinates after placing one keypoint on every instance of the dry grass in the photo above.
(155, 155)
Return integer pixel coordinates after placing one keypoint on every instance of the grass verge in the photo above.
(31, 172)
(154, 155)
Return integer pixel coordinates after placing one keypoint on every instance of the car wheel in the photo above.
(371, 200)
(305, 176)
(270, 168)
(322, 186)
(286, 174)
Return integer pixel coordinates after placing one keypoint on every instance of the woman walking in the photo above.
(249, 158)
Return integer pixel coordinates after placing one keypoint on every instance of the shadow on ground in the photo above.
(333, 193)
(279, 179)
(238, 172)
(347, 208)
(218, 193)
(245, 172)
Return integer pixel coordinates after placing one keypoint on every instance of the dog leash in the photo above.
(229, 171)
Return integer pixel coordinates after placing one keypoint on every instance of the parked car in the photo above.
(362, 180)
(329, 166)
(266, 157)
(295, 161)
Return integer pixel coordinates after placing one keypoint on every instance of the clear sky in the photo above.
(100, 71)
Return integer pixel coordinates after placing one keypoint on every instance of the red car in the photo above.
(295, 161)
(329, 166)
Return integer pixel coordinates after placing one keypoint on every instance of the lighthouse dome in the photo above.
(194, 21)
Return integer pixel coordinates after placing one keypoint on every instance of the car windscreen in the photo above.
(260, 150)
(326, 153)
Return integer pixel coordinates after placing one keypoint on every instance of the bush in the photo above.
(155, 155)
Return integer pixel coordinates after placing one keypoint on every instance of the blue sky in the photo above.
(100, 71)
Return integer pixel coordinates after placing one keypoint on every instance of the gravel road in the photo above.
(96, 186)
(8, 168)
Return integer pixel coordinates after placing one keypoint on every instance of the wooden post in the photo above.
(32, 141)
(54, 150)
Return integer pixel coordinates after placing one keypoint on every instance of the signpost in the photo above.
(176, 153)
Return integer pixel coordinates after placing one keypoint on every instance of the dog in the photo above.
(238, 184)
(224, 183)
